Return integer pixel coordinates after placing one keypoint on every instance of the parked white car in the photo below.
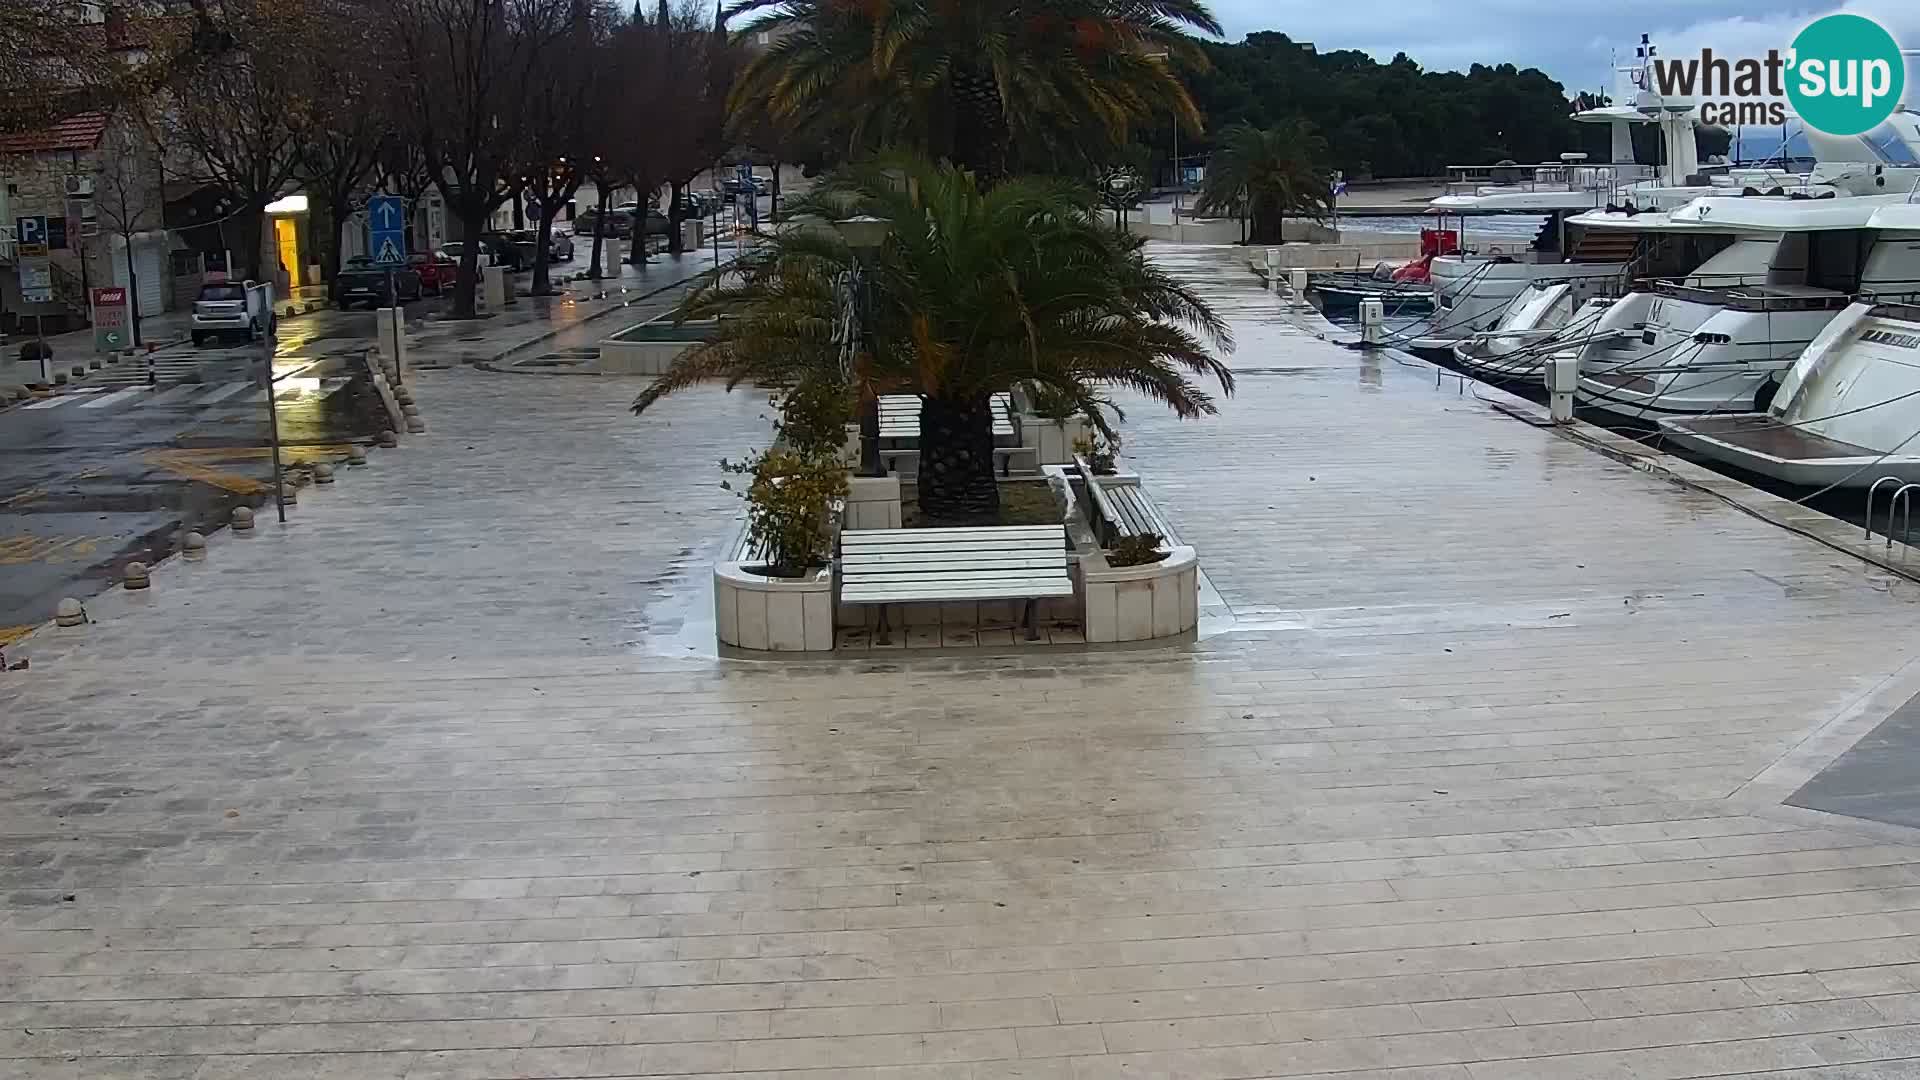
(233, 308)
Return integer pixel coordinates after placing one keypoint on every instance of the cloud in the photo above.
(1573, 43)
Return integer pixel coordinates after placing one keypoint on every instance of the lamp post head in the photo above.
(865, 233)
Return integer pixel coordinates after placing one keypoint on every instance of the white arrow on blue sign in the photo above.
(387, 229)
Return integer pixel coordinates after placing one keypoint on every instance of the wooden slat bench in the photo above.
(1118, 510)
(930, 566)
(900, 420)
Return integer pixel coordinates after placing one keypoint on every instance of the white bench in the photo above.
(900, 418)
(1119, 510)
(928, 566)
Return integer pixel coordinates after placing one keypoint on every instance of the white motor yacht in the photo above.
(1549, 317)
(1475, 288)
(1847, 415)
(1848, 412)
(1721, 339)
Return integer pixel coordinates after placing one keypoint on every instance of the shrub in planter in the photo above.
(789, 498)
(1136, 550)
(1099, 450)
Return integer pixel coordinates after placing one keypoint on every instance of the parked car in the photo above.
(457, 249)
(526, 248)
(438, 271)
(363, 281)
(227, 308)
(657, 224)
(508, 252)
(560, 247)
(617, 223)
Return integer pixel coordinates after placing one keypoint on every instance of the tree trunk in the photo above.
(957, 484)
(599, 224)
(775, 212)
(543, 246)
(979, 124)
(676, 203)
(519, 208)
(339, 209)
(252, 235)
(469, 281)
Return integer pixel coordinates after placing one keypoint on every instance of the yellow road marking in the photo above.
(11, 634)
(23, 550)
(182, 463)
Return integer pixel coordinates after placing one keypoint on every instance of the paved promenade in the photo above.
(1477, 775)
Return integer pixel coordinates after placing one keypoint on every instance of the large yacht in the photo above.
(1477, 287)
(1720, 339)
(1848, 412)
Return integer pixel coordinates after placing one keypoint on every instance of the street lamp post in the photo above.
(866, 235)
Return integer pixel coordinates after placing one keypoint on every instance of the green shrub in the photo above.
(1136, 550)
(789, 504)
(1099, 451)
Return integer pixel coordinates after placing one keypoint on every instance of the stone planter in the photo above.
(1141, 603)
(757, 613)
(650, 348)
(873, 502)
(1052, 440)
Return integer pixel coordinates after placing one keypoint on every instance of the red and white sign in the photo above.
(110, 318)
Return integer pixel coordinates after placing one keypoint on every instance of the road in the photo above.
(119, 466)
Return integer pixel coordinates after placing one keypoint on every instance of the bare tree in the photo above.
(127, 199)
(568, 99)
(696, 77)
(339, 138)
(53, 66)
(471, 64)
(234, 119)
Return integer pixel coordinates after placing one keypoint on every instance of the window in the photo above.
(223, 292)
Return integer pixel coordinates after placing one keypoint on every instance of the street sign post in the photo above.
(387, 230)
(36, 268)
(110, 319)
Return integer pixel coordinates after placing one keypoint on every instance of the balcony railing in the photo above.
(1554, 176)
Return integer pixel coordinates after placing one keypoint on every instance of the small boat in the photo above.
(1345, 290)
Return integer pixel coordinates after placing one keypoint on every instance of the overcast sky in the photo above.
(1570, 41)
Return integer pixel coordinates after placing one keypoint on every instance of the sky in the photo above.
(1569, 41)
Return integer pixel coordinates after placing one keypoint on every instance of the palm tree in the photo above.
(985, 84)
(1268, 175)
(973, 293)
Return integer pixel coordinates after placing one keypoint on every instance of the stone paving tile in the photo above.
(443, 781)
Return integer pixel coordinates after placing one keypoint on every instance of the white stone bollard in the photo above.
(193, 547)
(135, 577)
(1297, 279)
(323, 473)
(409, 409)
(356, 456)
(416, 426)
(389, 440)
(242, 519)
(70, 613)
(289, 494)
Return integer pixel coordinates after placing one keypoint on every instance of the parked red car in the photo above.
(438, 272)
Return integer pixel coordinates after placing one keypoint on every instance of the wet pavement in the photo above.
(116, 466)
(1480, 779)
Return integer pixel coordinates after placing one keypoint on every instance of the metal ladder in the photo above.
(1901, 500)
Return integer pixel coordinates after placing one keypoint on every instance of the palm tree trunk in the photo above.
(957, 485)
(979, 124)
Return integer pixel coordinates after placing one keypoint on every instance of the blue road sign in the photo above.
(387, 229)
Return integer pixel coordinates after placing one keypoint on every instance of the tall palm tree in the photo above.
(1268, 175)
(985, 84)
(974, 292)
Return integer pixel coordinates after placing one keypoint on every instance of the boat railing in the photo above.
(1551, 176)
(1752, 297)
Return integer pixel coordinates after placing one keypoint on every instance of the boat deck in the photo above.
(1765, 435)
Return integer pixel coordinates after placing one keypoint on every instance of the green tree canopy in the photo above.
(994, 86)
(973, 293)
(1391, 119)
